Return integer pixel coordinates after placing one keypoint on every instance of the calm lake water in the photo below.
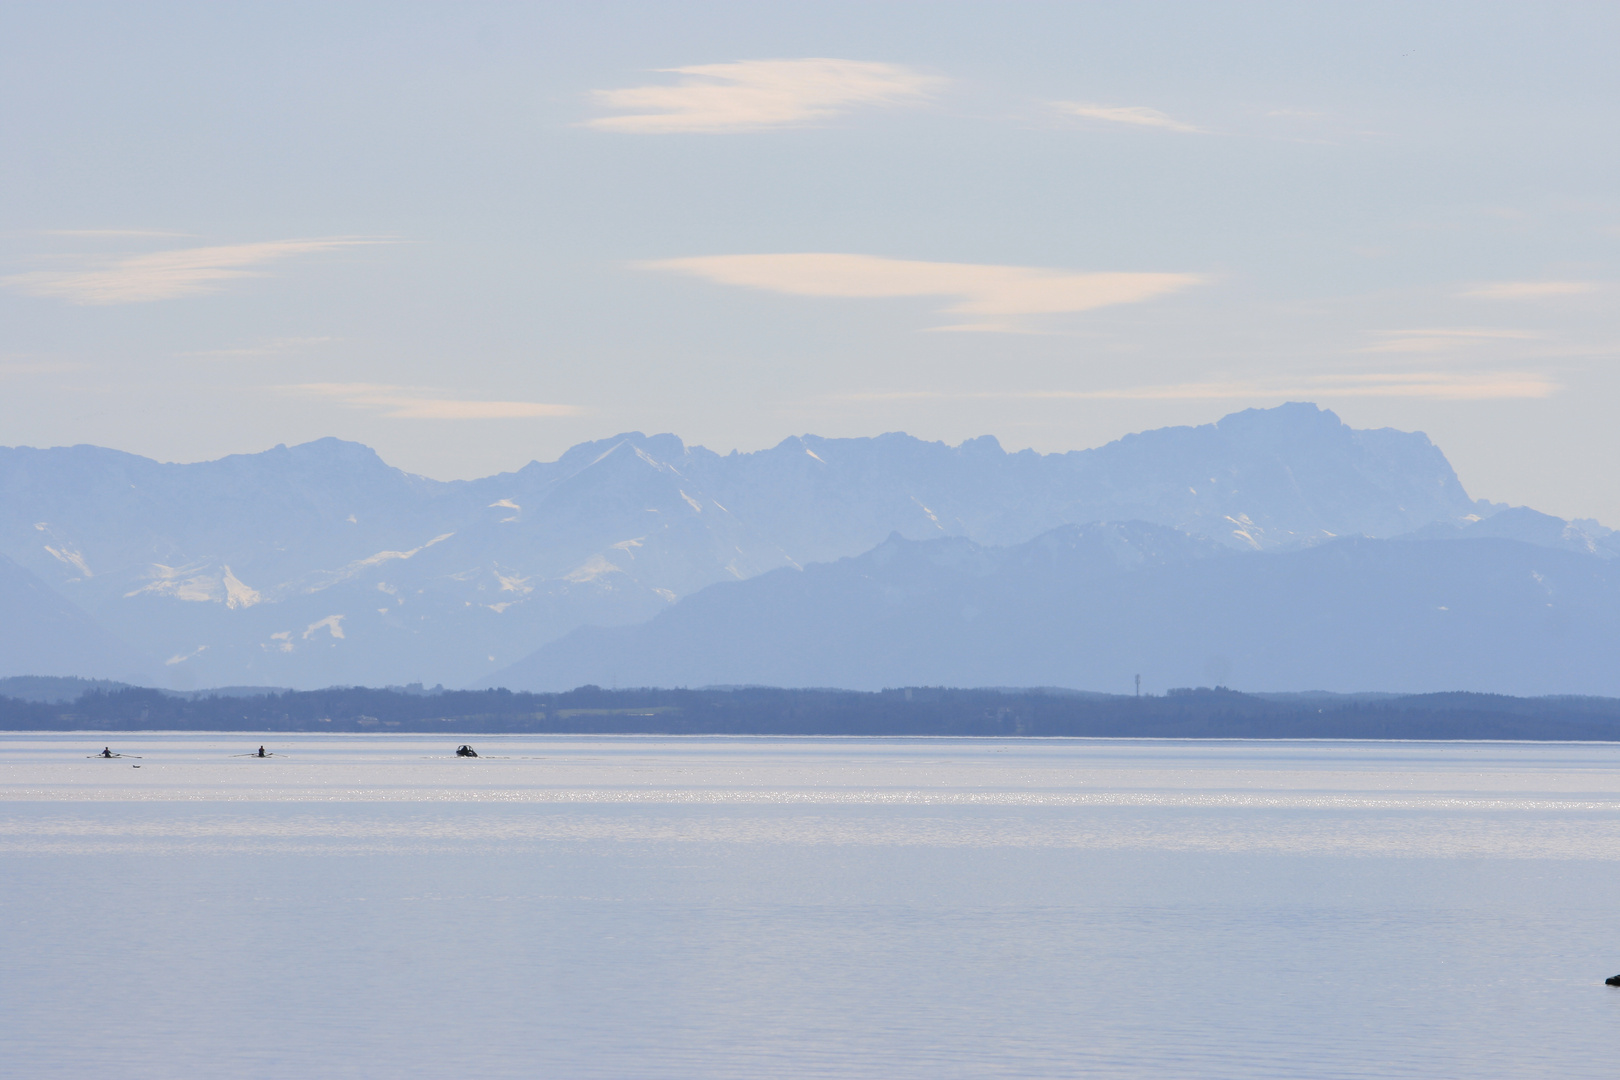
(370, 906)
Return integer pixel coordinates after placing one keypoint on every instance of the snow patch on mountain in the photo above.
(591, 569)
(72, 558)
(238, 595)
(332, 624)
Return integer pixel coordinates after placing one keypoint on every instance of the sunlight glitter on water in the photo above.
(596, 907)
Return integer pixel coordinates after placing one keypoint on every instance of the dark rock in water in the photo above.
(466, 751)
(1613, 980)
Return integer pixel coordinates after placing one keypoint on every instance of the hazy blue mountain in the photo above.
(43, 633)
(320, 564)
(54, 689)
(1092, 606)
(60, 689)
(1257, 479)
(1532, 527)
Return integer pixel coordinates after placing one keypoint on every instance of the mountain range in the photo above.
(1094, 606)
(320, 564)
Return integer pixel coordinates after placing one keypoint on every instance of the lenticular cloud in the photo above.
(976, 288)
(754, 95)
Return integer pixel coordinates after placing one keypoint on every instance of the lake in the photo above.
(570, 906)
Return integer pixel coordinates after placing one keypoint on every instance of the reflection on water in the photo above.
(587, 907)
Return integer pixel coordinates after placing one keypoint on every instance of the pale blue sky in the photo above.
(472, 235)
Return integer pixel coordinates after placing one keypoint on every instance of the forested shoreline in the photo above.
(917, 711)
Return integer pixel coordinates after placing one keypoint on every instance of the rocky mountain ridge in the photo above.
(320, 564)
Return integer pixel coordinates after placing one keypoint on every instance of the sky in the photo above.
(472, 235)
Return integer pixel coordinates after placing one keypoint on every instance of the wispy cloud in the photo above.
(987, 327)
(756, 95)
(1439, 385)
(272, 347)
(1528, 290)
(167, 275)
(1440, 340)
(101, 233)
(981, 289)
(1135, 115)
(39, 367)
(424, 403)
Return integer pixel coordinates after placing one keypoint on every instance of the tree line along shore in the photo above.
(916, 711)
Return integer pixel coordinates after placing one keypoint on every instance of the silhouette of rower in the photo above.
(106, 751)
(261, 753)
